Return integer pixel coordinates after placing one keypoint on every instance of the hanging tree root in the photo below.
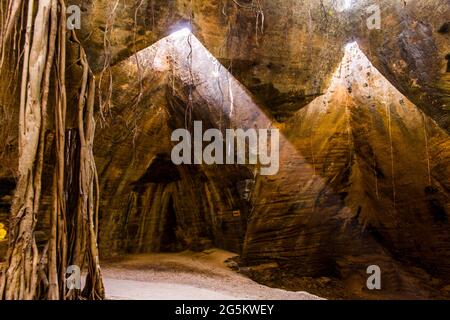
(57, 215)
(88, 200)
(28, 274)
(105, 102)
(19, 279)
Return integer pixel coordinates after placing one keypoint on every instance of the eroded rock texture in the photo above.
(364, 175)
(411, 50)
(285, 52)
(148, 201)
(363, 168)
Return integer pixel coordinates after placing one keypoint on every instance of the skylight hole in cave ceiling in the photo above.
(181, 33)
(344, 5)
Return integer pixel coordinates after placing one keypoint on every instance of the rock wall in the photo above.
(364, 152)
(359, 185)
(285, 52)
(411, 50)
(147, 199)
(362, 177)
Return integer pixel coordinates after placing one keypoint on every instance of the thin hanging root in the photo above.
(256, 7)
(388, 111)
(372, 125)
(374, 164)
(349, 128)
(138, 62)
(190, 104)
(10, 24)
(425, 133)
(23, 89)
(259, 19)
(311, 145)
(55, 290)
(106, 71)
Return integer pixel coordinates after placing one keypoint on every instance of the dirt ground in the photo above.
(185, 276)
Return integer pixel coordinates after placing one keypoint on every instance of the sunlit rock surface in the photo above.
(350, 162)
(289, 59)
(150, 204)
(411, 50)
(370, 187)
(364, 175)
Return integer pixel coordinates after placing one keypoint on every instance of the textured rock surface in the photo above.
(351, 163)
(362, 182)
(150, 204)
(411, 50)
(364, 177)
(292, 56)
(282, 51)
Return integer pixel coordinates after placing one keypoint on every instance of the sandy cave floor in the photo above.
(185, 276)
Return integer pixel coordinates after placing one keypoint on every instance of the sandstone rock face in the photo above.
(411, 50)
(285, 52)
(364, 150)
(351, 162)
(363, 168)
(148, 200)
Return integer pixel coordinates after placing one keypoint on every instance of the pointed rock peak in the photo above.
(357, 72)
(364, 83)
(192, 68)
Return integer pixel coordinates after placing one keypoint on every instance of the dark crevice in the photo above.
(445, 28)
(161, 170)
(448, 62)
(435, 206)
(7, 186)
(169, 240)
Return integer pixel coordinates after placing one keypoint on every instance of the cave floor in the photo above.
(185, 276)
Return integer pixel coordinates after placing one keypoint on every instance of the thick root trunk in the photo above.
(28, 274)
